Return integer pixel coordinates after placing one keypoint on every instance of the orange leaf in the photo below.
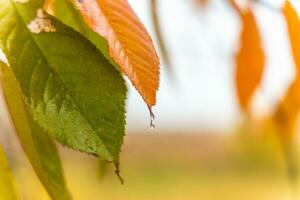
(249, 60)
(129, 43)
(293, 25)
(287, 111)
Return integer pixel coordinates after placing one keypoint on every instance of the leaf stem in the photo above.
(118, 172)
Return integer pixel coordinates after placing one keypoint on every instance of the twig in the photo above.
(159, 35)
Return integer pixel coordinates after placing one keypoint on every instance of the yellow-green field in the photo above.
(175, 167)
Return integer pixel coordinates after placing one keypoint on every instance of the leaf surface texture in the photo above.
(72, 92)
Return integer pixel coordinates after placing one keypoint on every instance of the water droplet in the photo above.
(152, 117)
(152, 126)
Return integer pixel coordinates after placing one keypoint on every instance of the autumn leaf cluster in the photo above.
(63, 79)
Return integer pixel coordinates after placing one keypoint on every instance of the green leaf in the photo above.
(65, 11)
(7, 191)
(37, 145)
(70, 89)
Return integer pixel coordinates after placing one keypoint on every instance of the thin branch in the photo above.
(236, 7)
(158, 33)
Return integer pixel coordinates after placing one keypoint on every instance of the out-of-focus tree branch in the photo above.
(159, 35)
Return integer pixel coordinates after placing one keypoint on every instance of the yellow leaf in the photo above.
(249, 60)
(129, 43)
(37, 145)
(7, 191)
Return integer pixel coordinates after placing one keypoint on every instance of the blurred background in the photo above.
(202, 147)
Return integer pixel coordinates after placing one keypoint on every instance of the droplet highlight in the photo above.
(152, 118)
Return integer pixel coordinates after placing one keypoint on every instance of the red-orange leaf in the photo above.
(249, 60)
(288, 109)
(129, 43)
